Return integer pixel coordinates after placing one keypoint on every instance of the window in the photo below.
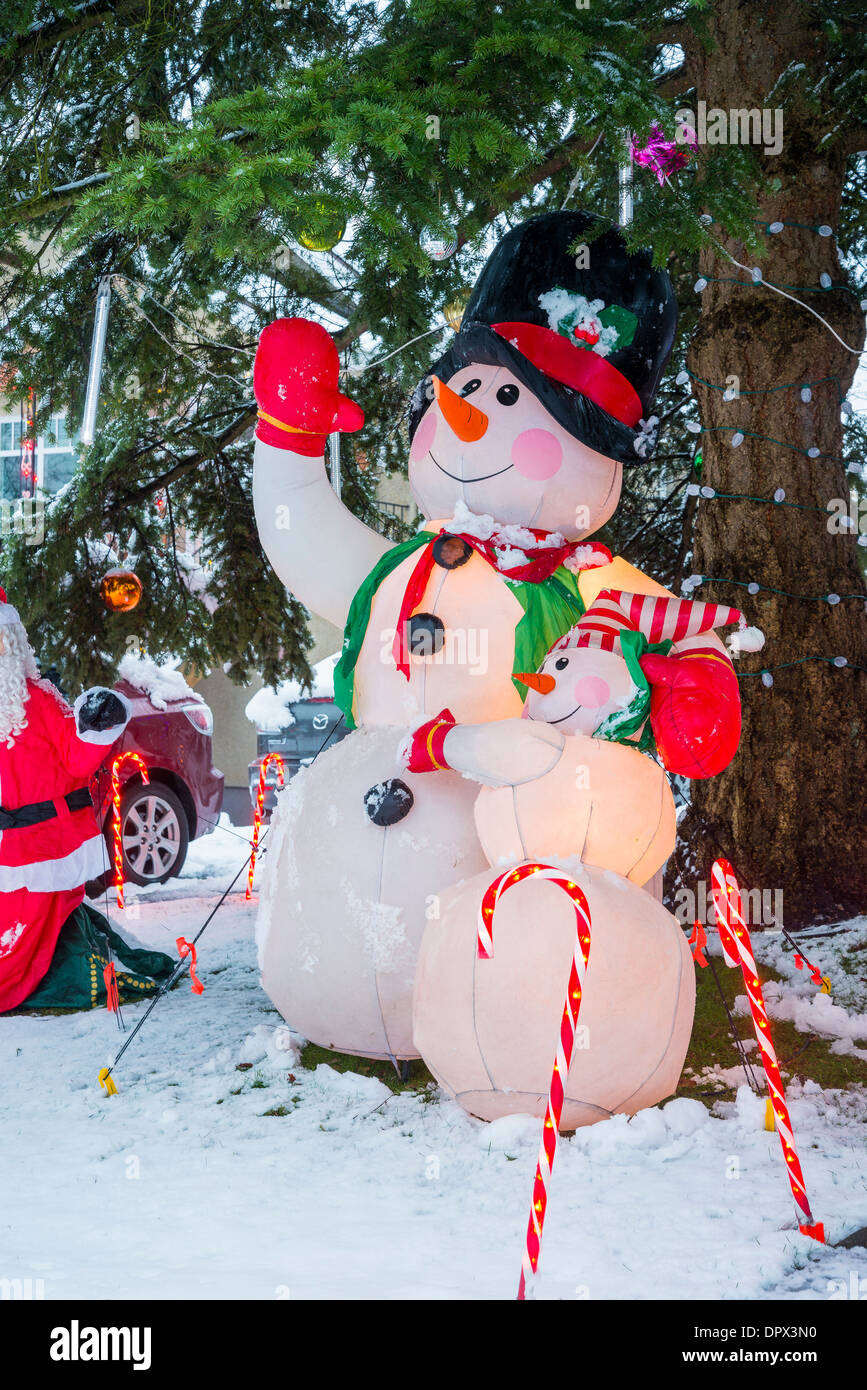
(55, 458)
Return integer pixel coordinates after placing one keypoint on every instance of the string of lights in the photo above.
(694, 581)
(840, 663)
(738, 436)
(732, 393)
(710, 494)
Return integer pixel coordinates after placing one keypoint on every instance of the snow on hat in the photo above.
(659, 619)
(8, 614)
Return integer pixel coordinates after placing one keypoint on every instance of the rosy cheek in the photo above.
(423, 437)
(592, 692)
(537, 454)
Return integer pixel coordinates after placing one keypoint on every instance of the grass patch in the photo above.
(418, 1075)
(801, 1055)
(276, 1110)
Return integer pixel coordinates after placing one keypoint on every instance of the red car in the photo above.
(183, 798)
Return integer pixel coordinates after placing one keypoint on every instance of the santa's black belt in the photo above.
(39, 811)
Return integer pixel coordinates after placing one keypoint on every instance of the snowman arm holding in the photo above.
(502, 753)
(319, 550)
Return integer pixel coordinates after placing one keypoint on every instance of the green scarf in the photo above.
(550, 607)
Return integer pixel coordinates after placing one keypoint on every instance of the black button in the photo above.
(450, 552)
(388, 802)
(426, 634)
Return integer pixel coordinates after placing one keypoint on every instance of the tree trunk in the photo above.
(789, 811)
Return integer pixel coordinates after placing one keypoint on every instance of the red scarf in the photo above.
(541, 562)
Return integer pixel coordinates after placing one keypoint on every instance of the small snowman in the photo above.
(580, 785)
(585, 797)
(519, 435)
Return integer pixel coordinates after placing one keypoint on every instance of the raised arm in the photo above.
(319, 550)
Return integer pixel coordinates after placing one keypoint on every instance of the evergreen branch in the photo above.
(41, 37)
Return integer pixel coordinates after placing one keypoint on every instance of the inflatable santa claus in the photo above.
(54, 948)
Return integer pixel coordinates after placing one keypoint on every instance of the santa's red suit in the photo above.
(43, 866)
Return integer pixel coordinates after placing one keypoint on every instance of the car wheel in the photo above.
(154, 833)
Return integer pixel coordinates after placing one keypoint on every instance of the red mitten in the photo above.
(295, 383)
(424, 752)
(695, 711)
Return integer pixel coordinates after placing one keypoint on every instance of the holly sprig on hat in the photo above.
(589, 323)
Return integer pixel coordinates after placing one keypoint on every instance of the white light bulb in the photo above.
(832, 599)
(846, 407)
(693, 426)
(681, 379)
(774, 227)
(729, 394)
(840, 661)
(814, 453)
(806, 394)
(705, 219)
(693, 490)
(752, 588)
(825, 230)
(780, 494)
(756, 274)
(767, 679)
(825, 280)
(701, 284)
(708, 492)
(737, 439)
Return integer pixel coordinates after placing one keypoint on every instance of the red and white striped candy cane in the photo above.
(259, 808)
(565, 1042)
(737, 950)
(117, 764)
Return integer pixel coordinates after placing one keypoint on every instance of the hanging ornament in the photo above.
(120, 590)
(453, 312)
(329, 231)
(439, 245)
(664, 156)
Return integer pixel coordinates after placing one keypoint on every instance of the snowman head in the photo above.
(578, 689)
(591, 681)
(540, 401)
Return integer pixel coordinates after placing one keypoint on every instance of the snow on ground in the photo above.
(184, 1186)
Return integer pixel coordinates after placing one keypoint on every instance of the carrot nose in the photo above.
(467, 422)
(544, 684)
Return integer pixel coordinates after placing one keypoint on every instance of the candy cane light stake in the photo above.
(260, 806)
(116, 766)
(737, 950)
(565, 1042)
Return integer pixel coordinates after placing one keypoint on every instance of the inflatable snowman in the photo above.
(584, 797)
(519, 436)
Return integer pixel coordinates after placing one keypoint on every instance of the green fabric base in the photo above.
(74, 979)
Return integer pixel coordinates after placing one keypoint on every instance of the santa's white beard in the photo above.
(17, 666)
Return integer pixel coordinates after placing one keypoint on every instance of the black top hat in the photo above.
(589, 333)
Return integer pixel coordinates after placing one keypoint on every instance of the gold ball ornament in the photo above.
(120, 590)
(328, 234)
(453, 312)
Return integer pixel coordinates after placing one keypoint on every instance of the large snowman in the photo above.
(519, 436)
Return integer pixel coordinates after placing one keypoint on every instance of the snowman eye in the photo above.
(561, 663)
(508, 394)
(470, 386)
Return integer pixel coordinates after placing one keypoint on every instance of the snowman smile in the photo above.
(481, 479)
(565, 716)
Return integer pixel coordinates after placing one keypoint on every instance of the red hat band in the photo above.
(580, 368)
